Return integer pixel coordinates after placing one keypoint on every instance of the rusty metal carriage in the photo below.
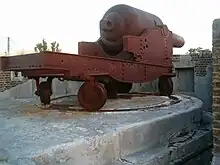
(134, 47)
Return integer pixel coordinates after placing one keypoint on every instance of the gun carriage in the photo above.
(134, 47)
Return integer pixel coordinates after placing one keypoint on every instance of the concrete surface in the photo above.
(202, 84)
(77, 138)
(204, 158)
(174, 153)
(216, 159)
(124, 102)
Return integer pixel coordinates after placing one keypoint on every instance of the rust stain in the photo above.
(61, 113)
(31, 110)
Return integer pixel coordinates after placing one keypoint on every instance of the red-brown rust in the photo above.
(121, 20)
(134, 47)
(178, 41)
(165, 86)
(92, 95)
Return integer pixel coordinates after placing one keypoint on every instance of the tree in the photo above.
(198, 51)
(55, 47)
(44, 47)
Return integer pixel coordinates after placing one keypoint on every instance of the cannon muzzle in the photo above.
(178, 41)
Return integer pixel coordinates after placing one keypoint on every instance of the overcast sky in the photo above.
(70, 21)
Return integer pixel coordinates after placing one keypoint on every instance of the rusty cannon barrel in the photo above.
(122, 20)
(178, 41)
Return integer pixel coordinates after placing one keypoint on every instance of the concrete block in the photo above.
(126, 140)
(95, 138)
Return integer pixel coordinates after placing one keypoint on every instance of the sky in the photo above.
(68, 22)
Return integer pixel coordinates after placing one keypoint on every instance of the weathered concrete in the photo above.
(137, 102)
(201, 67)
(68, 138)
(174, 153)
(27, 89)
(204, 158)
(216, 159)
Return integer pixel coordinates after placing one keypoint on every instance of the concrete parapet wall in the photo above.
(6, 82)
(27, 89)
(194, 76)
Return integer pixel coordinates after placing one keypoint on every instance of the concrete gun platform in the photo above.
(125, 102)
(32, 136)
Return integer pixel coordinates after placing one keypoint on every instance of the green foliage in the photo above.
(44, 47)
(198, 51)
(55, 47)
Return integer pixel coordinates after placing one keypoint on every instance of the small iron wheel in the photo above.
(165, 86)
(45, 92)
(124, 87)
(92, 96)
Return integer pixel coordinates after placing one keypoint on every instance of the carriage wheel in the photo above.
(92, 96)
(124, 87)
(45, 92)
(165, 86)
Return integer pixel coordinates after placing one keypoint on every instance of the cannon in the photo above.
(134, 47)
(122, 20)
